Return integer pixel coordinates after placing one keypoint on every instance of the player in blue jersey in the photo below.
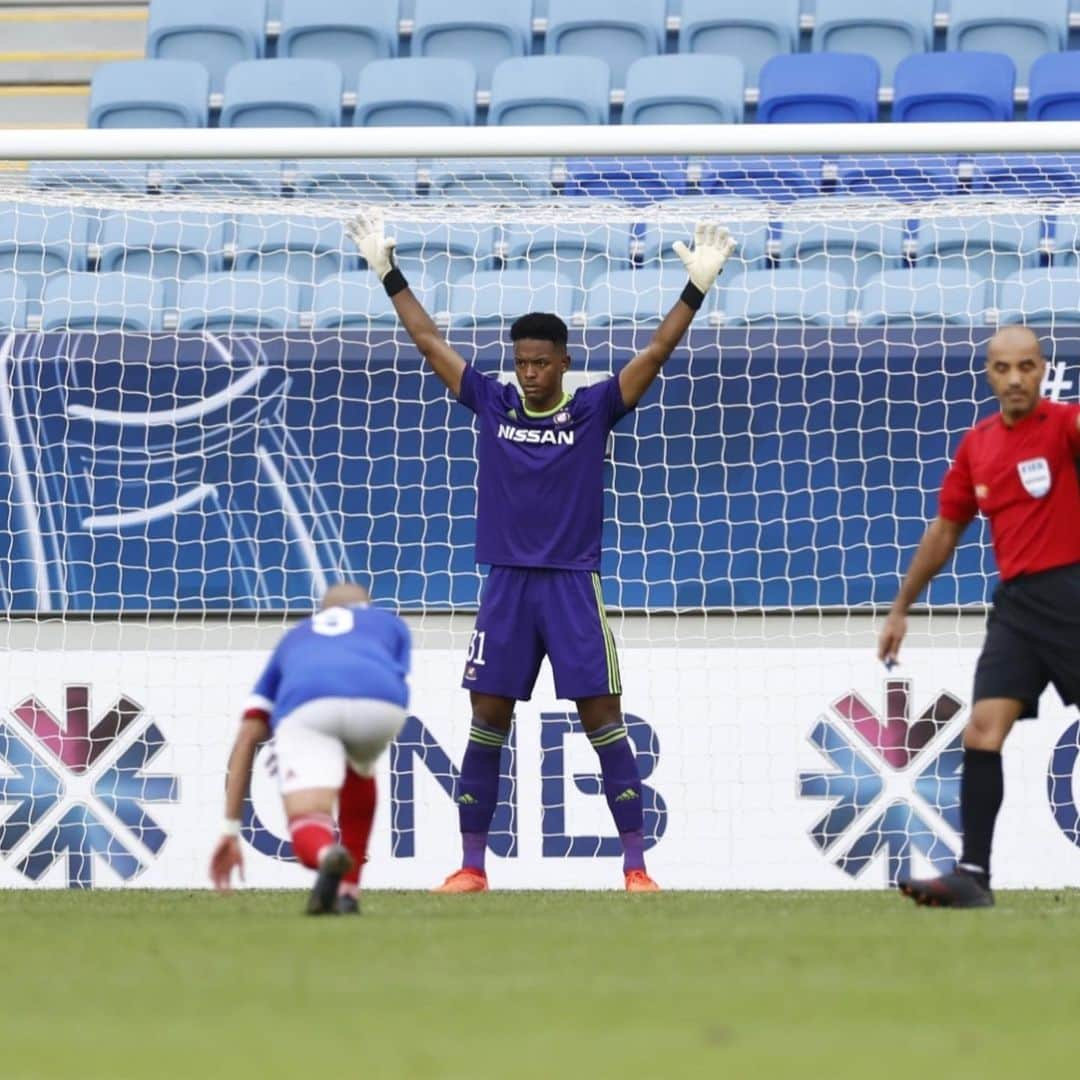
(333, 695)
(539, 517)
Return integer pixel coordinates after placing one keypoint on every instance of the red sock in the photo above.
(311, 835)
(356, 812)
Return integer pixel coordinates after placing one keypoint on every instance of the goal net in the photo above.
(210, 413)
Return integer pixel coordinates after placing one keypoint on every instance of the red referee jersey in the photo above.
(1024, 479)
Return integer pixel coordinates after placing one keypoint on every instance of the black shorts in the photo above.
(1033, 639)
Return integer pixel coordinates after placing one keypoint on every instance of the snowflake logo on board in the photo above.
(79, 793)
(893, 785)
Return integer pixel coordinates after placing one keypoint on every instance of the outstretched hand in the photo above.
(713, 245)
(366, 231)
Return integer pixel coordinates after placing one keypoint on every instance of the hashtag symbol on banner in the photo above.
(873, 754)
(105, 818)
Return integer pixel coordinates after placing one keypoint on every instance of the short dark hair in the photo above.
(540, 326)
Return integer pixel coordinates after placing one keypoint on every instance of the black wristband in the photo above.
(692, 296)
(394, 282)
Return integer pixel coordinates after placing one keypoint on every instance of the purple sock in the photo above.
(622, 789)
(478, 791)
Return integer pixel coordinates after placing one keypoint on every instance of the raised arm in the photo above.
(378, 251)
(712, 246)
(934, 551)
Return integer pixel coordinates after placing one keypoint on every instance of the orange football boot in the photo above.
(465, 880)
(639, 881)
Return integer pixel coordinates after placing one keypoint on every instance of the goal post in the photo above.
(209, 412)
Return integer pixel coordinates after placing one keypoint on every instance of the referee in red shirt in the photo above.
(1019, 468)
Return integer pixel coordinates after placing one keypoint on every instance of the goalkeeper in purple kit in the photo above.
(540, 488)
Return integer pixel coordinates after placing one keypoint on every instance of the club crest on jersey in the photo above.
(1035, 476)
(562, 417)
(536, 436)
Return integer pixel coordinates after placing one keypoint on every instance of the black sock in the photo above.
(981, 792)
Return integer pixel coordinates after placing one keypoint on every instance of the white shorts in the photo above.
(314, 742)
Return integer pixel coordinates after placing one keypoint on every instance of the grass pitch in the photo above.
(154, 985)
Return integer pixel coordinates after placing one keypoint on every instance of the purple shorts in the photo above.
(528, 614)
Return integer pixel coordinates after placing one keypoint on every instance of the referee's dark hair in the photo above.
(540, 326)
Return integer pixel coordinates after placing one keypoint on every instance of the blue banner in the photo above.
(767, 468)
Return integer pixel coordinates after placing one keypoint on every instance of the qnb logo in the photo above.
(894, 784)
(79, 793)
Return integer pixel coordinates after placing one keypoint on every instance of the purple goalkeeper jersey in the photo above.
(540, 489)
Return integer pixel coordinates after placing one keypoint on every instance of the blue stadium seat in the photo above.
(580, 253)
(410, 92)
(753, 32)
(249, 177)
(853, 250)
(12, 301)
(618, 31)
(1041, 296)
(302, 249)
(635, 180)
(887, 34)
(898, 176)
(1055, 88)
(640, 297)
(960, 87)
(358, 179)
(1029, 175)
(102, 302)
(752, 235)
(357, 301)
(1066, 240)
(38, 241)
(990, 248)
(777, 178)
(684, 90)
(94, 177)
(237, 302)
(816, 88)
(149, 94)
(550, 90)
(349, 34)
(161, 244)
(496, 297)
(1022, 31)
(785, 297)
(434, 253)
(925, 294)
(282, 93)
(217, 33)
(487, 180)
(484, 32)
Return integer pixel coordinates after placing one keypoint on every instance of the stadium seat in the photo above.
(925, 294)
(435, 253)
(38, 241)
(495, 297)
(349, 34)
(779, 178)
(655, 241)
(1027, 175)
(851, 249)
(218, 176)
(12, 301)
(580, 253)
(83, 301)
(684, 90)
(990, 248)
(282, 93)
(237, 302)
(784, 297)
(162, 244)
(93, 177)
(887, 34)
(1041, 296)
(635, 180)
(365, 180)
(357, 301)
(550, 90)
(411, 92)
(1066, 241)
(484, 32)
(1022, 31)
(933, 87)
(303, 249)
(1055, 88)
(897, 176)
(753, 32)
(816, 88)
(217, 33)
(639, 297)
(149, 94)
(487, 180)
(618, 31)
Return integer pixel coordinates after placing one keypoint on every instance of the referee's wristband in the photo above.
(230, 827)
(692, 296)
(394, 282)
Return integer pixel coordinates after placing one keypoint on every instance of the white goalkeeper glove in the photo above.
(366, 231)
(713, 244)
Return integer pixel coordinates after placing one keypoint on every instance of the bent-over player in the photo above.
(334, 696)
(1019, 468)
(540, 488)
